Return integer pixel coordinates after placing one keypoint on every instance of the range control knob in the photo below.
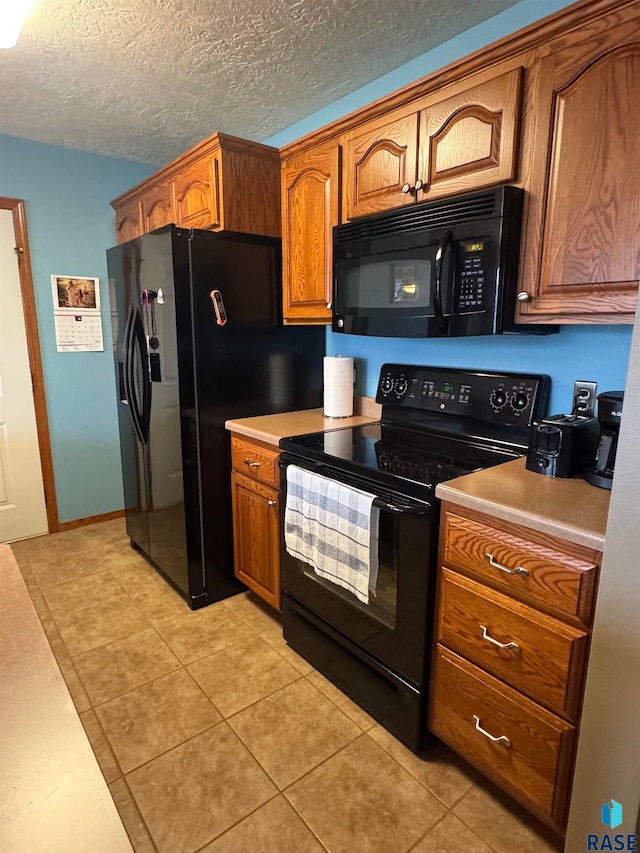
(498, 398)
(519, 401)
(386, 384)
(401, 386)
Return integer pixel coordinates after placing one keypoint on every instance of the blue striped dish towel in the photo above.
(333, 528)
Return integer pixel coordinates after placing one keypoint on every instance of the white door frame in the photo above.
(16, 206)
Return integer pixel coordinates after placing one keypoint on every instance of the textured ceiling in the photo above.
(147, 79)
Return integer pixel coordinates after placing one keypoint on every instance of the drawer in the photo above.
(255, 461)
(531, 651)
(542, 576)
(521, 746)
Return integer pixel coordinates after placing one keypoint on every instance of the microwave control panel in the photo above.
(505, 398)
(473, 276)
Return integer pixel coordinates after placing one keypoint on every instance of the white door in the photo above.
(22, 507)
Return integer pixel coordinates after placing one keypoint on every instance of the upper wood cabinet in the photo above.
(466, 141)
(222, 183)
(381, 159)
(128, 220)
(582, 261)
(310, 209)
(197, 191)
(157, 206)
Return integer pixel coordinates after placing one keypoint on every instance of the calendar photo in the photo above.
(75, 293)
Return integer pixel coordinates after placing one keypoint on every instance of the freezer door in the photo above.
(174, 512)
(122, 264)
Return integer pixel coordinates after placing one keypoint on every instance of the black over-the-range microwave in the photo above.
(444, 268)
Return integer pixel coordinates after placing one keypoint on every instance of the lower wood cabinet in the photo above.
(513, 618)
(255, 498)
(520, 745)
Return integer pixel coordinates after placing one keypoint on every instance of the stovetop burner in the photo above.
(425, 466)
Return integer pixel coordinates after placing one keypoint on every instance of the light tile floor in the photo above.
(215, 736)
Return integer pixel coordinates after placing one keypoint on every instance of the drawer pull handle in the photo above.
(271, 503)
(251, 464)
(519, 571)
(502, 739)
(486, 636)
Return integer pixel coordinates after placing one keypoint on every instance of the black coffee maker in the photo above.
(609, 417)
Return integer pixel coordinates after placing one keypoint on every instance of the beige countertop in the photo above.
(570, 509)
(271, 428)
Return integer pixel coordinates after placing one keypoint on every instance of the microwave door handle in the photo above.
(445, 243)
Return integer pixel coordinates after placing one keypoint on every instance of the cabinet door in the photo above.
(585, 227)
(256, 532)
(310, 187)
(381, 159)
(128, 221)
(158, 207)
(198, 195)
(470, 140)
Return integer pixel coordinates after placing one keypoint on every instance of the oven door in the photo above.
(395, 627)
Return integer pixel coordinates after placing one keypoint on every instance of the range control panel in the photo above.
(505, 398)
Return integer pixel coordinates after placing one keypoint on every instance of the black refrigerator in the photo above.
(198, 339)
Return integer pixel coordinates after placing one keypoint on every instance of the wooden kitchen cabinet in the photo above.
(513, 618)
(197, 190)
(221, 183)
(255, 496)
(582, 258)
(128, 220)
(310, 209)
(458, 143)
(157, 206)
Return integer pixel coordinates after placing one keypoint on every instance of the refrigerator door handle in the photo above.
(218, 307)
(128, 376)
(139, 344)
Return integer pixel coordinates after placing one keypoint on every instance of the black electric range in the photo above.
(437, 424)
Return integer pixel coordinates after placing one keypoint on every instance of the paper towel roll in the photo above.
(338, 387)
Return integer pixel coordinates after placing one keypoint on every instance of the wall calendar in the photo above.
(76, 313)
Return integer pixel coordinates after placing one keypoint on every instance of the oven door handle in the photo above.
(402, 509)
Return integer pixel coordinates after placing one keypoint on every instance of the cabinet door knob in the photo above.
(502, 739)
(407, 188)
(523, 296)
(486, 636)
(271, 503)
(329, 306)
(251, 464)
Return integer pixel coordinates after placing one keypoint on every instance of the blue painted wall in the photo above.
(70, 224)
(599, 353)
